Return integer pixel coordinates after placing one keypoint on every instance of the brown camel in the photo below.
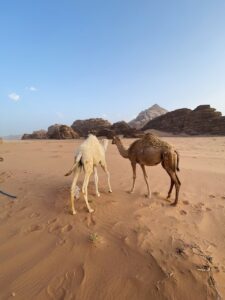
(150, 151)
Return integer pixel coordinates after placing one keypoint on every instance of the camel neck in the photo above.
(122, 150)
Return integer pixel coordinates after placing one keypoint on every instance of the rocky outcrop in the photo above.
(108, 133)
(59, 132)
(202, 120)
(83, 127)
(122, 128)
(39, 135)
(146, 115)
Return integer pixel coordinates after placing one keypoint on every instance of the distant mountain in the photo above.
(12, 137)
(147, 115)
(202, 120)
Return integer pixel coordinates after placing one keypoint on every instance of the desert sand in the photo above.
(130, 247)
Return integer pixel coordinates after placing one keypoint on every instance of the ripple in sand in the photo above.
(64, 287)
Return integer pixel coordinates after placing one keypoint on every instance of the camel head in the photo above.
(115, 139)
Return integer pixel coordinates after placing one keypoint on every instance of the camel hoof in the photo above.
(130, 192)
(91, 210)
(73, 212)
(110, 191)
(98, 194)
(147, 196)
(173, 204)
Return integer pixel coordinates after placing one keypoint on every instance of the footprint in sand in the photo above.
(183, 212)
(34, 227)
(223, 197)
(52, 221)
(212, 196)
(208, 209)
(66, 228)
(54, 227)
(156, 193)
(61, 242)
(90, 220)
(65, 287)
(22, 208)
(34, 215)
(185, 202)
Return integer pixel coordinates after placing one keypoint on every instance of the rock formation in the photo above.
(202, 120)
(39, 134)
(83, 127)
(58, 131)
(146, 115)
(122, 128)
(119, 128)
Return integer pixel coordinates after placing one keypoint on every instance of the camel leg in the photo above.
(96, 181)
(73, 188)
(104, 167)
(133, 165)
(175, 179)
(171, 187)
(85, 192)
(149, 194)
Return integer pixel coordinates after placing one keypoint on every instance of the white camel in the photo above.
(89, 155)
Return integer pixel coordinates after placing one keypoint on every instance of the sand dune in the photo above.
(131, 247)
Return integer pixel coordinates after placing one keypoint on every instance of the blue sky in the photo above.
(67, 60)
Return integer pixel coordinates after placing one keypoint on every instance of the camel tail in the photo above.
(77, 160)
(178, 160)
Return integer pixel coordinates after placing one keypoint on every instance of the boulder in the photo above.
(59, 131)
(94, 125)
(122, 128)
(108, 133)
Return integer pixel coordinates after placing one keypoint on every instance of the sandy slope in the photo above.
(131, 247)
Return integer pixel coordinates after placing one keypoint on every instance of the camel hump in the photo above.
(150, 139)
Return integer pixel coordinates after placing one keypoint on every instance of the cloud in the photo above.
(32, 88)
(13, 96)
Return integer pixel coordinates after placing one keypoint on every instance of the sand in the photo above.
(130, 247)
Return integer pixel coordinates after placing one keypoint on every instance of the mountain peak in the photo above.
(146, 115)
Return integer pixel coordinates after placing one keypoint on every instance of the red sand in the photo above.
(130, 247)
